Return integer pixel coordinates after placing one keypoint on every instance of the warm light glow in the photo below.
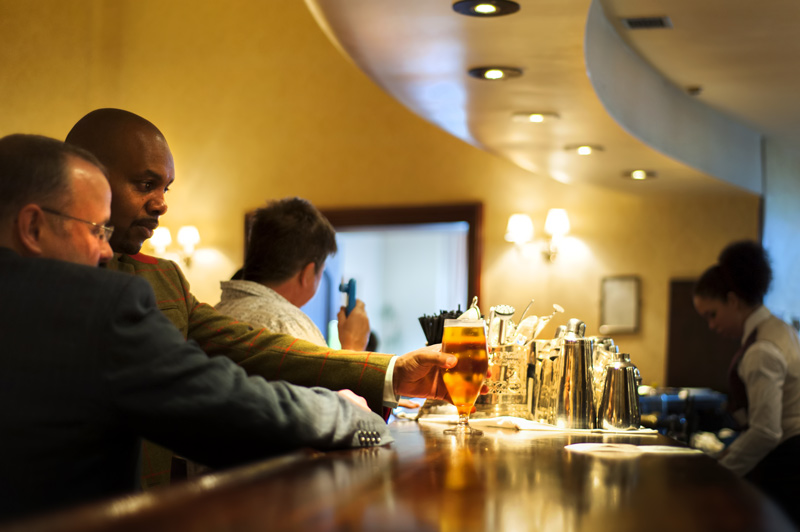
(485, 9)
(519, 229)
(493, 74)
(188, 237)
(639, 174)
(536, 117)
(583, 149)
(160, 240)
(557, 222)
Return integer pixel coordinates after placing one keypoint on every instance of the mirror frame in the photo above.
(620, 304)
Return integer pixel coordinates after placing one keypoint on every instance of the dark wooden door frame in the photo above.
(472, 213)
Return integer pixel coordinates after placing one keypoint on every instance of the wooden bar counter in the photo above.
(426, 481)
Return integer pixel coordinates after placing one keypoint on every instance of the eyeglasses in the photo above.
(103, 232)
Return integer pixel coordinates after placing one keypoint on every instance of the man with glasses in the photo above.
(90, 364)
(102, 232)
(141, 171)
(70, 222)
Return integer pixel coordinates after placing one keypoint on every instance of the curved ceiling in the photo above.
(421, 50)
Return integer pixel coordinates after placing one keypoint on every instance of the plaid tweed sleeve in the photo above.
(257, 350)
(281, 357)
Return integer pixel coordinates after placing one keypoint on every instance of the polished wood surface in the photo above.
(426, 481)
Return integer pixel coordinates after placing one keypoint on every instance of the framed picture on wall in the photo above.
(619, 304)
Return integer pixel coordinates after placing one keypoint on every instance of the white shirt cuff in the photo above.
(389, 397)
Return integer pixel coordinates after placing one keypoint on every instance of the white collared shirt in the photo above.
(260, 305)
(770, 370)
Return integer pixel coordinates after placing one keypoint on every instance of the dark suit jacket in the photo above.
(88, 364)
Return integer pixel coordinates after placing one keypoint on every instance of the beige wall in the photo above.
(257, 104)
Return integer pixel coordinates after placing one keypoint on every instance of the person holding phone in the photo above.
(764, 375)
(288, 242)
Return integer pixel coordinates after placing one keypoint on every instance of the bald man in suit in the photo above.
(140, 171)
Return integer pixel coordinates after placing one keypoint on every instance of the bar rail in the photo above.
(427, 481)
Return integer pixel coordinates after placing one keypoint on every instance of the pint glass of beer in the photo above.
(466, 339)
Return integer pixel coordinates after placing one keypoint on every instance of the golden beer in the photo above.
(466, 339)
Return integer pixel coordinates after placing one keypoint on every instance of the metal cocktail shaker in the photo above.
(575, 400)
(619, 408)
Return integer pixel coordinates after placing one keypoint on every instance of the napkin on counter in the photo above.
(518, 423)
(622, 450)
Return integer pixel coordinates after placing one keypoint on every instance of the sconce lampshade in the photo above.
(188, 237)
(161, 239)
(519, 229)
(557, 222)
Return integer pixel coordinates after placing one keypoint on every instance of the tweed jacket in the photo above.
(89, 365)
(257, 350)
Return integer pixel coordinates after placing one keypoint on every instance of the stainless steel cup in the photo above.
(619, 408)
(575, 400)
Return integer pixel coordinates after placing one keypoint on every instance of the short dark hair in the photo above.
(284, 237)
(742, 268)
(33, 169)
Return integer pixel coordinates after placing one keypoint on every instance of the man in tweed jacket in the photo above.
(140, 170)
(90, 365)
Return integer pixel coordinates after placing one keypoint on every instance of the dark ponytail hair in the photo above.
(742, 268)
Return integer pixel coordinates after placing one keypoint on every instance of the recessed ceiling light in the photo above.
(584, 149)
(639, 175)
(536, 117)
(485, 8)
(495, 73)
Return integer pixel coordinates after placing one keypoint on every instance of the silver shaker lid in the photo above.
(576, 327)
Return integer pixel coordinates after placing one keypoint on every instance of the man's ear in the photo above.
(308, 274)
(29, 229)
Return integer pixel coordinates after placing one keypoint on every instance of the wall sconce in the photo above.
(556, 225)
(188, 238)
(520, 230)
(160, 240)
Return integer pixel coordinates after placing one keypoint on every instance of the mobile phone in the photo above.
(349, 288)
